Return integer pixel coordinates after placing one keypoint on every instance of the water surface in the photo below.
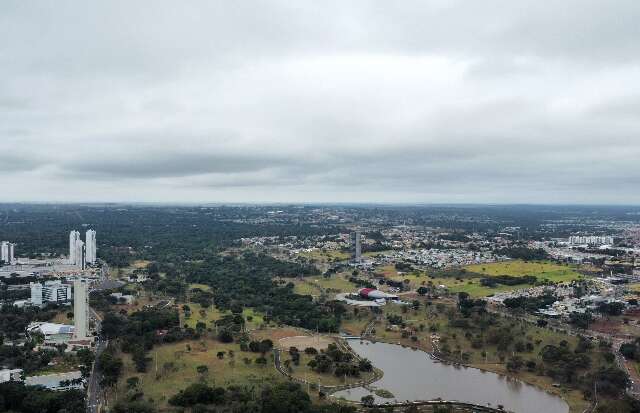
(411, 375)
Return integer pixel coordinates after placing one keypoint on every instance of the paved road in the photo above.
(94, 390)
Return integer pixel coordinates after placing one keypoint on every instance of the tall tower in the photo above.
(80, 309)
(79, 254)
(6, 252)
(74, 237)
(357, 248)
(90, 246)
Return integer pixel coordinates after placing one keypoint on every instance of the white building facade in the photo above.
(591, 240)
(50, 292)
(7, 252)
(90, 246)
(80, 309)
(74, 237)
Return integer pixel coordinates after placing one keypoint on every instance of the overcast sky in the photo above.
(305, 101)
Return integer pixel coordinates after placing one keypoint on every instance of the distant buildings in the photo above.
(81, 253)
(7, 251)
(80, 309)
(591, 240)
(50, 292)
(10, 375)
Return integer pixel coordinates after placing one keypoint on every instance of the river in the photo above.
(412, 375)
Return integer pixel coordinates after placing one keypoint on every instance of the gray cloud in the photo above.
(414, 101)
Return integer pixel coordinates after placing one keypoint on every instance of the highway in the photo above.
(94, 390)
(95, 393)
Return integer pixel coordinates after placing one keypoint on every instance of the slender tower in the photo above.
(79, 254)
(357, 248)
(74, 237)
(90, 246)
(80, 309)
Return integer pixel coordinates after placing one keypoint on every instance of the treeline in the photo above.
(18, 398)
(140, 232)
(279, 398)
(140, 331)
(523, 253)
(581, 366)
(14, 320)
(246, 281)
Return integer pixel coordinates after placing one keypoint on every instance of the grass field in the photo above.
(327, 255)
(203, 287)
(517, 268)
(541, 270)
(138, 264)
(61, 316)
(315, 285)
(177, 363)
(211, 314)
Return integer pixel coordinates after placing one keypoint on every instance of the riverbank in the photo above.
(411, 375)
(573, 398)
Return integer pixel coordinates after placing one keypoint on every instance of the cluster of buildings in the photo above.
(82, 253)
(53, 333)
(49, 292)
(591, 240)
(7, 252)
(444, 258)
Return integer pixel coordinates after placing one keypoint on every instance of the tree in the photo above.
(132, 383)
(368, 400)
(135, 406)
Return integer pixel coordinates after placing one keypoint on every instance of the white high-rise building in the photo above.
(80, 309)
(74, 237)
(90, 247)
(80, 255)
(50, 292)
(7, 251)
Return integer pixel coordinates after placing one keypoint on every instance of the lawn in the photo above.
(326, 255)
(139, 264)
(211, 314)
(315, 285)
(173, 367)
(203, 287)
(61, 316)
(518, 268)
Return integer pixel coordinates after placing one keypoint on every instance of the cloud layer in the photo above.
(425, 101)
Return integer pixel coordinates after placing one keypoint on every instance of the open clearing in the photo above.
(518, 268)
(176, 368)
(303, 342)
(316, 285)
(543, 271)
(211, 314)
